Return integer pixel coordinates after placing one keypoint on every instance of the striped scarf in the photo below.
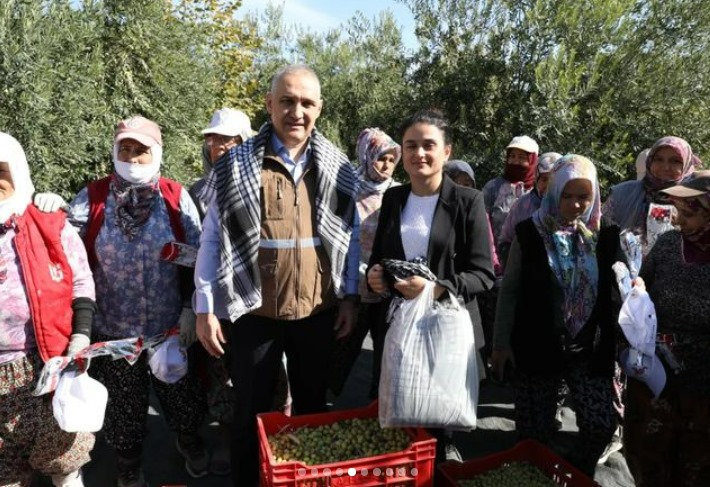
(235, 182)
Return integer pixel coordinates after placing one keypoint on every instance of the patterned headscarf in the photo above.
(571, 248)
(652, 184)
(373, 143)
(134, 203)
(546, 162)
(12, 153)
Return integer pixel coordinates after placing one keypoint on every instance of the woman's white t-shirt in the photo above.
(417, 216)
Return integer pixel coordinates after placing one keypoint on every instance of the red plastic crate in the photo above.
(529, 451)
(413, 466)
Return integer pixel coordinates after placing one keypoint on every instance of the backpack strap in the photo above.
(98, 192)
(171, 191)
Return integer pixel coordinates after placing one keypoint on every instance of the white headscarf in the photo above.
(11, 152)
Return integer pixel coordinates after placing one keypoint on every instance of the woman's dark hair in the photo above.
(430, 117)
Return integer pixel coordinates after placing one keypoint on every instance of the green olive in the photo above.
(511, 474)
(337, 442)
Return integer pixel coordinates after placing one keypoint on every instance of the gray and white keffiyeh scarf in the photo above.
(235, 182)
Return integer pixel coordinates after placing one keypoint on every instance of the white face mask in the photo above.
(138, 173)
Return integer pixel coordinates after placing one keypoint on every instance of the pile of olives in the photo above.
(511, 474)
(337, 442)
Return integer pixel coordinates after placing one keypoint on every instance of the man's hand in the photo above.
(347, 313)
(209, 332)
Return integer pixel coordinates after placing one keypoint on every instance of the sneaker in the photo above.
(452, 453)
(613, 446)
(130, 473)
(192, 448)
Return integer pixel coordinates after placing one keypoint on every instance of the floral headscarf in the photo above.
(571, 248)
(546, 162)
(12, 153)
(652, 184)
(372, 143)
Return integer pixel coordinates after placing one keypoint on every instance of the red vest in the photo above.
(98, 192)
(48, 278)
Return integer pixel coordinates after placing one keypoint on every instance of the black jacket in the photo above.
(459, 248)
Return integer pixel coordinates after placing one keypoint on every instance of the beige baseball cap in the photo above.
(697, 184)
(141, 129)
(524, 143)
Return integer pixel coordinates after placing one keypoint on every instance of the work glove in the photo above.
(77, 343)
(49, 202)
(187, 324)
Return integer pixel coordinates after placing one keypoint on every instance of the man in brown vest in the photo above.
(277, 266)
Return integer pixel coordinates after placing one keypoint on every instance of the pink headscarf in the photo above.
(651, 183)
(373, 143)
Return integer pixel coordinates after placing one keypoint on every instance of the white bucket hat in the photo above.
(230, 122)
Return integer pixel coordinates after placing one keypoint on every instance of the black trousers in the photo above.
(258, 345)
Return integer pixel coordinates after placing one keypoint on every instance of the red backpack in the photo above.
(98, 192)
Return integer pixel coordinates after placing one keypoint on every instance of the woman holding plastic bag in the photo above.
(431, 219)
(38, 251)
(126, 220)
(554, 319)
(667, 433)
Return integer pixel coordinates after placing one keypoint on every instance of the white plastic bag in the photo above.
(638, 321)
(79, 403)
(168, 361)
(429, 371)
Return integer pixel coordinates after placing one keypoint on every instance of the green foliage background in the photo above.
(604, 78)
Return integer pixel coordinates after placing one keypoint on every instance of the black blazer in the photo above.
(459, 247)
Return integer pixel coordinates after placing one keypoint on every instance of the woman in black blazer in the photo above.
(432, 218)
